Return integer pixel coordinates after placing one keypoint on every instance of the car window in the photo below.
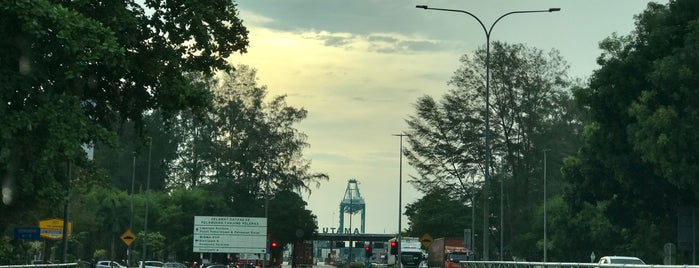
(628, 261)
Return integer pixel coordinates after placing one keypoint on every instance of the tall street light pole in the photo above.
(400, 201)
(133, 178)
(145, 226)
(545, 219)
(487, 32)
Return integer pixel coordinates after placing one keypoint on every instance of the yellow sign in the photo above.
(53, 228)
(128, 237)
(426, 240)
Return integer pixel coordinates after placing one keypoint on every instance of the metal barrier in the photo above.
(58, 265)
(515, 264)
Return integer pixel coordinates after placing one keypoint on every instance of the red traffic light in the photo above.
(274, 244)
(367, 248)
(394, 247)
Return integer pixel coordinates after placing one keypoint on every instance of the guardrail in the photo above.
(56, 265)
(515, 264)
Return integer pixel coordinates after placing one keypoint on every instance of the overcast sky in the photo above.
(358, 67)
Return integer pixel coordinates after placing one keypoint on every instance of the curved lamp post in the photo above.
(487, 32)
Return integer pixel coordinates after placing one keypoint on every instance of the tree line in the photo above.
(176, 129)
(149, 86)
(619, 148)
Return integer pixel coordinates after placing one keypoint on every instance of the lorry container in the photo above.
(447, 253)
(302, 256)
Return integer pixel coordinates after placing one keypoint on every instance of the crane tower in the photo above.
(351, 204)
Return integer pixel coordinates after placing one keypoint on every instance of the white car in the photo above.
(620, 260)
(151, 264)
(109, 264)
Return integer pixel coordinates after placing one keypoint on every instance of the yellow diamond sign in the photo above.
(426, 240)
(128, 237)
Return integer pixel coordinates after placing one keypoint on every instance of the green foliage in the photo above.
(100, 254)
(639, 142)
(156, 245)
(72, 70)
(531, 110)
(289, 221)
(438, 214)
(135, 79)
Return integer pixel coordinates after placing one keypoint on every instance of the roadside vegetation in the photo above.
(621, 154)
(176, 128)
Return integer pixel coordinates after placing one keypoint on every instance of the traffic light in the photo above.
(367, 251)
(274, 245)
(269, 242)
(394, 247)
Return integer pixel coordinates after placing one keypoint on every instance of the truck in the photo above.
(447, 253)
(302, 256)
(410, 252)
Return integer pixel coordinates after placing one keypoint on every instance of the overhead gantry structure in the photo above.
(351, 204)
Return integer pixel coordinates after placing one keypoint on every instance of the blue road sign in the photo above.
(27, 233)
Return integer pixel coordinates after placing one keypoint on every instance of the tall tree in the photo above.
(252, 142)
(70, 69)
(438, 214)
(530, 103)
(639, 141)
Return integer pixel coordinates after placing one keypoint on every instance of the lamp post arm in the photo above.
(516, 12)
(460, 11)
(486, 30)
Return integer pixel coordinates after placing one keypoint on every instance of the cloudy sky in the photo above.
(358, 67)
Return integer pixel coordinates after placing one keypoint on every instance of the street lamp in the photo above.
(400, 195)
(487, 32)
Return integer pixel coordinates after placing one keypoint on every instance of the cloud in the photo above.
(358, 88)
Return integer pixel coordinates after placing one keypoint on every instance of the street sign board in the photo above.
(27, 233)
(128, 237)
(214, 234)
(53, 228)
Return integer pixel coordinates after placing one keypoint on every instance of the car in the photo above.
(109, 264)
(151, 264)
(174, 265)
(620, 260)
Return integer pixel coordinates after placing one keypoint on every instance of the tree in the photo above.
(439, 214)
(70, 69)
(531, 103)
(243, 141)
(637, 142)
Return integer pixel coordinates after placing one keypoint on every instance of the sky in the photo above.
(359, 66)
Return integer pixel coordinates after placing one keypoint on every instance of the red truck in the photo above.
(447, 253)
(302, 255)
